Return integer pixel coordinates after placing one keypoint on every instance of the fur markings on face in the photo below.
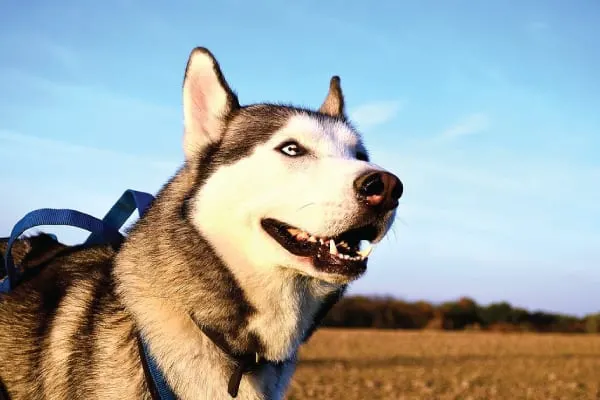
(289, 188)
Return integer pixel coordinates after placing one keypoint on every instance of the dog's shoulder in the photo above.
(53, 260)
(50, 269)
(30, 252)
(60, 316)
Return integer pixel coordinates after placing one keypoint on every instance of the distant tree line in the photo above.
(464, 314)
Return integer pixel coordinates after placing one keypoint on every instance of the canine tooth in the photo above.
(365, 253)
(321, 240)
(332, 249)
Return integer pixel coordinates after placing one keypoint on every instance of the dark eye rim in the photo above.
(301, 150)
(362, 156)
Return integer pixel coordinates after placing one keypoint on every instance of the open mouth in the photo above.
(341, 254)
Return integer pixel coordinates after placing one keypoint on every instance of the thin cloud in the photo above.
(23, 45)
(67, 58)
(537, 26)
(376, 113)
(106, 116)
(96, 97)
(470, 125)
(58, 174)
(11, 141)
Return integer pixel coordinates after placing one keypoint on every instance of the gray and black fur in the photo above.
(71, 331)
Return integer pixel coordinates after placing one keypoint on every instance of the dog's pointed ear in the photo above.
(207, 101)
(334, 102)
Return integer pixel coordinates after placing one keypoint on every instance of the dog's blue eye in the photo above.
(292, 149)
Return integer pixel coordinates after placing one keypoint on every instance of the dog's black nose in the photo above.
(378, 189)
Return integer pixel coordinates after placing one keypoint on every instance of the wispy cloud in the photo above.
(64, 55)
(375, 113)
(60, 149)
(87, 114)
(83, 94)
(58, 174)
(33, 48)
(470, 125)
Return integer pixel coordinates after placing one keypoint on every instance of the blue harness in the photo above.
(102, 231)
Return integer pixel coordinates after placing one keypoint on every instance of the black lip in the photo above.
(322, 259)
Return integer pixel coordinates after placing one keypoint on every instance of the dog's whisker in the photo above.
(393, 231)
(401, 220)
(306, 205)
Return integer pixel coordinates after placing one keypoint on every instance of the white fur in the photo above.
(313, 192)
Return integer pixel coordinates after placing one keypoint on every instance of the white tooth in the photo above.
(332, 249)
(321, 241)
(365, 253)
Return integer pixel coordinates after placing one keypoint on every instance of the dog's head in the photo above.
(280, 186)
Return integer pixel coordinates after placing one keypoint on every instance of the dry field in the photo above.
(369, 364)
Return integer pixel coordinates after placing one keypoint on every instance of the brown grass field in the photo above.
(371, 364)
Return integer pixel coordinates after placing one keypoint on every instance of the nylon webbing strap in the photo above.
(129, 201)
(159, 388)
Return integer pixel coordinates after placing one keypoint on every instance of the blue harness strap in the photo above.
(120, 212)
(158, 386)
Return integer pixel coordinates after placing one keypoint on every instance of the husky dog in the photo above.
(239, 256)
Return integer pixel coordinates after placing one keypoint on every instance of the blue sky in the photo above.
(488, 111)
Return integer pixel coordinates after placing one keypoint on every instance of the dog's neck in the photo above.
(286, 305)
(172, 282)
